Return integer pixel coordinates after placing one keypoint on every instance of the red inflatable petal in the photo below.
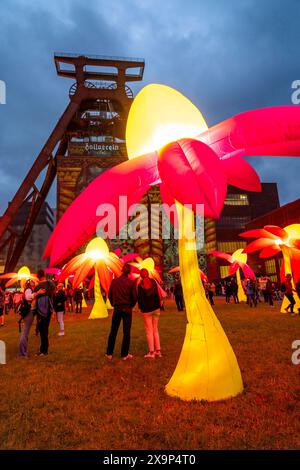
(258, 245)
(130, 179)
(277, 231)
(222, 255)
(82, 272)
(104, 275)
(233, 268)
(195, 164)
(270, 251)
(258, 233)
(248, 272)
(241, 174)
(8, 275)
(267, 131)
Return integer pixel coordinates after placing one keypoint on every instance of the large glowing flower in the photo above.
(96, 258)
(272, 240)
(146, 263)
(193, 165)
(238, 260)
(21, 276)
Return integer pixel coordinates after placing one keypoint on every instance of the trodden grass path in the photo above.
(74, 399)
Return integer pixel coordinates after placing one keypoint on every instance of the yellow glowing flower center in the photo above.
(160, 115)
(97, 249)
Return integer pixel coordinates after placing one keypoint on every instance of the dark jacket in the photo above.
(148, 299)
(178, 292)
(78, 295)
(122, 292)
(59, 301)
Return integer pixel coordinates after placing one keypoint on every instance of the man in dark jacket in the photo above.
(44, 308)
(122, 296)
(178, 294)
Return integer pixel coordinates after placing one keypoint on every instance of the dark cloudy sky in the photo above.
(227, 56)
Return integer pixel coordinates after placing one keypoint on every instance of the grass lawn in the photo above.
(74, 399)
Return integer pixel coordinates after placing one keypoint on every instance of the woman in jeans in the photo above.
(149, 302)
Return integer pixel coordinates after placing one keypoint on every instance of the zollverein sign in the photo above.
(96, 148)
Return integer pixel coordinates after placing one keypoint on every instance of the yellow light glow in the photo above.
(293, 231)
(148, 263)
(238, 255)
(207, 368)
(24, 272)
(97, 249)
(160, 115)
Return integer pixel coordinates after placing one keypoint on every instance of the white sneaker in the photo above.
(150, 355)
(61, 333)
(126, 358)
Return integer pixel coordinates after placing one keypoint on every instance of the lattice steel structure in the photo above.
(88, 138)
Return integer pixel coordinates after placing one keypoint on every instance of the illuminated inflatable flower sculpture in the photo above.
(96, 258)
(272, 240)
(169, 144)
(238, 260)
(146, 263)
(21, 276)
(203, 276)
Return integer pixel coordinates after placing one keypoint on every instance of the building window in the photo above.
(230, 247)
(236, 200)
(270, 266)
(233, 222)
(224, 271)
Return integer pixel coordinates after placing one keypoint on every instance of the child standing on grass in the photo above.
(59, 303)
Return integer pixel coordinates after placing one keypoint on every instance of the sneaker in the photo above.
(150, 355)
(126, 358)
(61, 333)
(41, 354)
(158, 353)
(108, 357)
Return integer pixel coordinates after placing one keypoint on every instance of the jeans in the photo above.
(44, 331)
(269, 298)
(78, 306)
(124, 314)
(23, 344)
(60, 319)
(292, 302)
(151, 327)
(179, 302)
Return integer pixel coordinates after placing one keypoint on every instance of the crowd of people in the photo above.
(39, 300)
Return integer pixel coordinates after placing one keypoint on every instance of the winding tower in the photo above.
(88, 138)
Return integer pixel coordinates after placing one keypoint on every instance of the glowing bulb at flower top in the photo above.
(23, 272)
(238, 255)
(148, 263)
(97, 249)
(160, 115)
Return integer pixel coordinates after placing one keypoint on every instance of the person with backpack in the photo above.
(44, 308)
(287, 289)
(149, 302)
(27, 315)
(178, 295)
(78, 297)
(59, 303)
